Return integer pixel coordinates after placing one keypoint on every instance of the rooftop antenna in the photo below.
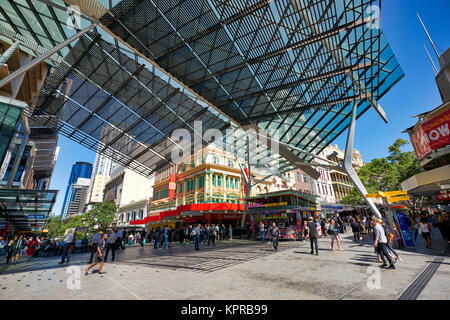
(428, 35)
(432, 62)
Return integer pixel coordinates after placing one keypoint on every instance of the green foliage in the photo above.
(353, 198)
(102, 215)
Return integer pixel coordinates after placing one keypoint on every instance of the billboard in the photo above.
(431, 135)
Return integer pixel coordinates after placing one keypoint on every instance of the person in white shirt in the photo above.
(426, 231)
(67, 242)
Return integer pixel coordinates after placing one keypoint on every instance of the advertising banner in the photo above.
(431, 135)
(172, 186)
(403, 225)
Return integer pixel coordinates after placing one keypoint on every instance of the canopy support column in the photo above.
(347, 164)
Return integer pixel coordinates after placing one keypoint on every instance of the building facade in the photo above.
(79, 170)
(76, 198)
(130, 192)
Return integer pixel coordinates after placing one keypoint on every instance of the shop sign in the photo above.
(397, 199)
(277, 204)
(443, 197)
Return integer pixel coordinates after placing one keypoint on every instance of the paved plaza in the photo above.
(237, 269)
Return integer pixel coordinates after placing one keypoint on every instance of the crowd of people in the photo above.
(365, 229)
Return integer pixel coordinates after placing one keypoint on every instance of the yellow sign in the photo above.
(397, 199)
(375, 195)
(395, 193)
(279, 204)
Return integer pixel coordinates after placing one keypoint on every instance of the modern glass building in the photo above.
(79, 170)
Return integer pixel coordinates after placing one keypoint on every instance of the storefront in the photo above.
(288, 209)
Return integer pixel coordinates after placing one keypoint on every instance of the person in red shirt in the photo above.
(32, 245)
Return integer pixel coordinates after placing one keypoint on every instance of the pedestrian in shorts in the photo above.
(101, 245)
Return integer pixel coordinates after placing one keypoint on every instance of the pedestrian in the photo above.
(275, 235)
(166, 237)
(111, 245)
(99, 255)
(94, 241)
(197, 231)
(334, 233)
(355, 229)
(68, 239)
(156, 238)
(362, 231)
(32, 245)
(10, 255)
(230, 232)
(212, 236)
(426, 231)
(3, 245)
(324, 230)
(312, 234)
(208, 233)
(380, 243)
(261, 232)
(390, 237)
(140, 239)
(218, 232)
(305, 229)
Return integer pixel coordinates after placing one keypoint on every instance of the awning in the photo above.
(26, 209)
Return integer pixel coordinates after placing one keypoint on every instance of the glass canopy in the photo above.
(293, 68)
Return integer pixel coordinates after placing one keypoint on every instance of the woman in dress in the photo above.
(32, 245)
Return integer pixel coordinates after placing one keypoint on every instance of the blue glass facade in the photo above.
(79, 170)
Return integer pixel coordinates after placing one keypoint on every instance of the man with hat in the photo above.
(380, 243)
(312, 233)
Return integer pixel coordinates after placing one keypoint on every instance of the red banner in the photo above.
(172, 186)
(432, 135)
(443, 197)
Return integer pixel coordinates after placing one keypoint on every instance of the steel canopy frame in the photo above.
(241, 58)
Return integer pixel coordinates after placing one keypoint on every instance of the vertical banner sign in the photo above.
(172, 186)
(403, 225)
(245, 185)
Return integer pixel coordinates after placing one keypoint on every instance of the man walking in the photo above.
(275, 235)
(111, 245)
(197, 237)
(380, 243)
(94, 241)
(355, 230)
(67, 243)
(312, 233)
(99, 255)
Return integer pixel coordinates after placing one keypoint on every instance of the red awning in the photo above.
(156, 217)
(169, 213)
(137, 222)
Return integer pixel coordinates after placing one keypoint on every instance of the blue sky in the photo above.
(414, 94)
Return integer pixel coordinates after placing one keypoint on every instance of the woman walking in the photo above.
(426, 231)
(334, 232)
(230, 232)
(17, 247)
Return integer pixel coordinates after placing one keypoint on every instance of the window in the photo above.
(201, 181)
(230, 163)
(305, 178)
(181, 187)
(216, 160)
(156, 195)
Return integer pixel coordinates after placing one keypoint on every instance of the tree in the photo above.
(102, 215)
(387, 174)
(54, 226)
